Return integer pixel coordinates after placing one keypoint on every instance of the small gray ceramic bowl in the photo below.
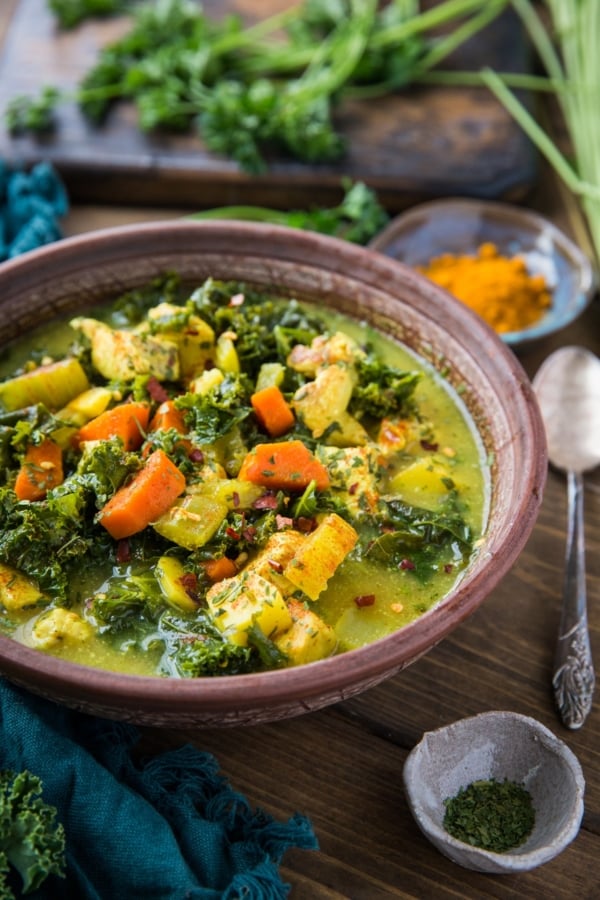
(497, 745)
(460, 226)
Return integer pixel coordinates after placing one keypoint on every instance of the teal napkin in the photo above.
(166, 828)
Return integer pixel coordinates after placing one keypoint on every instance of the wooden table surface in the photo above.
(342, 766)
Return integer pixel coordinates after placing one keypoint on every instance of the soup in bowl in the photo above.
(248, 471)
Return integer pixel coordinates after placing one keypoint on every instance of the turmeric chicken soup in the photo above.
(218, 482)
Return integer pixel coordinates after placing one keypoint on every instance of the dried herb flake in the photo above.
(493, 815)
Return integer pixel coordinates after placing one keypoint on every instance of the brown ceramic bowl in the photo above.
(74, 273)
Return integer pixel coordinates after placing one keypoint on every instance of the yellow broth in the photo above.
(364, 600)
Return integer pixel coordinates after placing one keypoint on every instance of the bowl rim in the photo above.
(516, 859)
(535, 221)
(368, 664)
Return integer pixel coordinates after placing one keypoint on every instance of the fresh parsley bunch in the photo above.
(249, 91)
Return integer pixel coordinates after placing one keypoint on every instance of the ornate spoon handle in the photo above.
(574, 677)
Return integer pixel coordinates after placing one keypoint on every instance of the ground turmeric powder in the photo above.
(498, 288)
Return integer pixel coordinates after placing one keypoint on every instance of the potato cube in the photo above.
(319, 556)
(81, 409)
(245, 600)
(236, 493)
(16, 590)
(309, 638)
(169, 573)
(226, 356)
(193, 519)
(424, 483)
(53, 385)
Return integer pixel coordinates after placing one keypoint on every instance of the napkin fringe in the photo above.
(31, 205)
(170, 825)
(185, 786)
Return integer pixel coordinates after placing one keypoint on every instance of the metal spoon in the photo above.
(567, 386)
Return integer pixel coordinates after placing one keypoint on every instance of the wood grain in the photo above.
(421, 143)
(343, 766)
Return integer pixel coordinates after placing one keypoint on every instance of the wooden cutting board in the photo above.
(421, 143)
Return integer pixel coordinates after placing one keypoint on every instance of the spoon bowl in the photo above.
(568, 391)
(567, 386)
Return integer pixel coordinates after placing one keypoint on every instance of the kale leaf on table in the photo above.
(32, 842)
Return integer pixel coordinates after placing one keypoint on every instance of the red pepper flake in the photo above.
(283, 522)
(156, 390)
(189, 583)
(267, 501)
(427, 445)
(123, 551)
(275, 565)
(305, 525)
(196, 456)
(407, 564)
(233, 534)
(448, 568)
(235, 498)
(236, 300)
(353, 488)
(364, 600)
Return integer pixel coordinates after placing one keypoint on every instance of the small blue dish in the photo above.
(461, 226)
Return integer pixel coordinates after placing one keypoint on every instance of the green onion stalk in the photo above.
(568, 50)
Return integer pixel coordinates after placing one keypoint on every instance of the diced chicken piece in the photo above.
(270, 563)
(121, 355)
(238, 603)
(394, 435)
(194, 337)
(317, 559)
(353, 473)
(340, 348)
(59, 626)
(309, 638)
(322, 404)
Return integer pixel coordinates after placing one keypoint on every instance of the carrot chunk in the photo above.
(42, 469)
(127, 421)
(272, 410)
(167, 416)
(150, 493)
(220, 568)
(288, 466)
